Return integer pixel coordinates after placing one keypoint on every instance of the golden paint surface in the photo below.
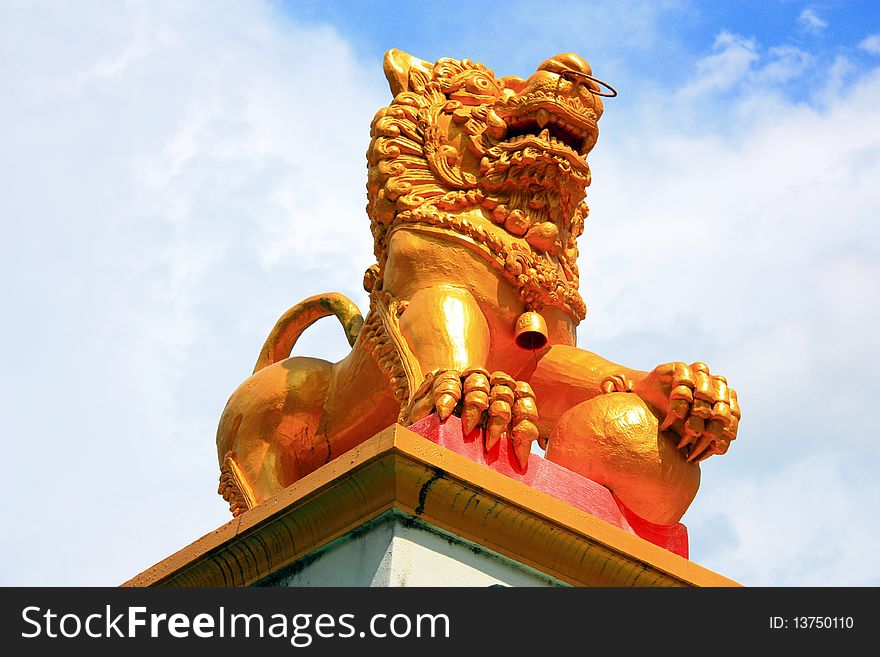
(476, 194)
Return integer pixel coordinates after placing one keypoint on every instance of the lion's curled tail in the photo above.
(292, 323)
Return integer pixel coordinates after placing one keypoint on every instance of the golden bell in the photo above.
(531, 331)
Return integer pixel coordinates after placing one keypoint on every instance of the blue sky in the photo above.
(643, 40)
(175, 175)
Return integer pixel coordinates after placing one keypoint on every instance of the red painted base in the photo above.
(553, 479)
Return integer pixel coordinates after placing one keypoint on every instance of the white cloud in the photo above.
(738, 62)
(871, 44)
(838, 76)
(786, 63)
(800, 521)
(811, 21)
(174, 177)
(732, 60)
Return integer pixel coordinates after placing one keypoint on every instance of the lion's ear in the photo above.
(399, 67)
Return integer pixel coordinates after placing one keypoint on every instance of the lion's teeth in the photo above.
(542, 116)
(545, 134)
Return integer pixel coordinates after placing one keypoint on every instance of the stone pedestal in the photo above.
(402, 510)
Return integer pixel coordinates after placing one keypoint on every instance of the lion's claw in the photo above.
(699, 407)
(525, 417)
(506, 408)
(476, 398)
(498, 423)
(447, 392)
(500, 409)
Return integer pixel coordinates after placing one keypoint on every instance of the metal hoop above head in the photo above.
(594, 79)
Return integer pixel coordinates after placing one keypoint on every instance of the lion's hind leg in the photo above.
(269, 434)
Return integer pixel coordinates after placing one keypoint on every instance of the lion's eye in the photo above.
(478, 85)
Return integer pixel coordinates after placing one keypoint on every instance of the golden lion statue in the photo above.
(476, 191)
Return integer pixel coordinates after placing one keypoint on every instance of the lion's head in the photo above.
(458, 140)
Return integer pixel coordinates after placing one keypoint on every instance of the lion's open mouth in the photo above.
(554, 127)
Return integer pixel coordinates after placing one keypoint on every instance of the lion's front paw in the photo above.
(504, 407)
(696, 405)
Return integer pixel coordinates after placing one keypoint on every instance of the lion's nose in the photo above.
(566, 62)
